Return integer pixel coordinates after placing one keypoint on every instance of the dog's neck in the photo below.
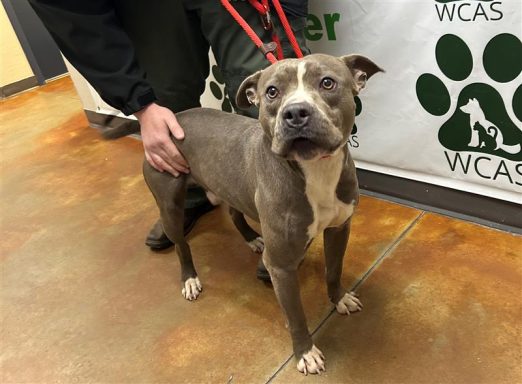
(321, 179)
(322, 175)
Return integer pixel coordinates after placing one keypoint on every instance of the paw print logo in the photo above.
(218, 90)
(480, 121)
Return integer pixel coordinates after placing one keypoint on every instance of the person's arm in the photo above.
(91, 37)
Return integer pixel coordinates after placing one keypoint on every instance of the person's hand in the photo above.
(156, 125)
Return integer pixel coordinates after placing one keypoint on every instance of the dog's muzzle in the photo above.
(303, 133)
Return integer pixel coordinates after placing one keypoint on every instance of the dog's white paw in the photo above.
(257, 245)
(311, 362)
(192, 288)
(349, 303)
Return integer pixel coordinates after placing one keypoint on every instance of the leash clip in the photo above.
(268, 48)
(266, 20)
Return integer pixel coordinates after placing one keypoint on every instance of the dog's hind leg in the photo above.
(169, 193)
(253, 239)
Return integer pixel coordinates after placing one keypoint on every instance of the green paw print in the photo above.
(480, 122)
(358, 110)
(217, 92)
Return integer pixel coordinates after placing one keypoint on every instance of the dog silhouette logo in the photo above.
(480, 121)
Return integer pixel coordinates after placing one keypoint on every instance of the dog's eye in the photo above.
(272, 92)
(328, 83)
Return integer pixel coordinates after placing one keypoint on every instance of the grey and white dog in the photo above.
(290, 170)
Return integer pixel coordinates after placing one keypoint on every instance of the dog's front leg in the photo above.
(286, 287)
(335, 242)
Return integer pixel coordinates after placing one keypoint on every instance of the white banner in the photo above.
(448, 110)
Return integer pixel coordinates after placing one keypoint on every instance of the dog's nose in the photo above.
(297, 115)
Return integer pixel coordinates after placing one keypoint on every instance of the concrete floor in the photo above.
(84, 301)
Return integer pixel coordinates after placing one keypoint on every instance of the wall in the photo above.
(13, 63)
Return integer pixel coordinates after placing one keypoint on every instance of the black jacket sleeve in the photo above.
(91, 37)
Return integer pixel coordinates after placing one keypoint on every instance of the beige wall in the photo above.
(13, 63)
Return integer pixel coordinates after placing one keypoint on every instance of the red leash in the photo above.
(287, 28)
(263, 8)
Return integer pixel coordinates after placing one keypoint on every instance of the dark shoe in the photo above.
(157, 240)
(262, 273)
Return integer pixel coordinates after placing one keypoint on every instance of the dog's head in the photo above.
(471, 106)
(306, 106)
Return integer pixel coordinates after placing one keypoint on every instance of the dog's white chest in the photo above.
(322, 178)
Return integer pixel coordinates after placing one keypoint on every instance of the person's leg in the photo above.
(174, 53)
(237, 57)
(170, 48)
(298, 25)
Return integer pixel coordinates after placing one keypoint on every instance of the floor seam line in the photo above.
(285, 363)
(311, 334)
(389, 250)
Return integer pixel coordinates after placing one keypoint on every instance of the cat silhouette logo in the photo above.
(485, 134)
(480, 121)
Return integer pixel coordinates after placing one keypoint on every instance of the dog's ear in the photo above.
(247, 92)
(362, 69)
